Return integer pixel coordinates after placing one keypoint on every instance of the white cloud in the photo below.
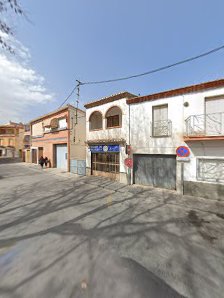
(21, 87)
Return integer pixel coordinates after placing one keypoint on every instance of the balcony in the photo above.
(162, 128)
(205, 126)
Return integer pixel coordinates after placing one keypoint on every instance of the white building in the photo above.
(155, 126)
(192, 116)
(107, 132)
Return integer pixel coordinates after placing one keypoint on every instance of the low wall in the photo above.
(206, 190)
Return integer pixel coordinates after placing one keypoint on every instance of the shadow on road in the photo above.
(99, 210)
(8, 160)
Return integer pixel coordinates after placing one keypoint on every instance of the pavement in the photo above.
(71, 237)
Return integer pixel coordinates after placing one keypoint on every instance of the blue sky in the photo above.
(97, 39)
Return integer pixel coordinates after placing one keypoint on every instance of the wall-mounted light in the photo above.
(186, 104)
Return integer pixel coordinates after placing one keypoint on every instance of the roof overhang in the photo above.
(177, 92)
(108, 99)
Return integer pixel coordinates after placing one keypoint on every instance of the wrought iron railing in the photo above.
(205, 125)
(162, 128)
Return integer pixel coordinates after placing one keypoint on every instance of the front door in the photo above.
(61, 156)
(34, 155)
(214, 116)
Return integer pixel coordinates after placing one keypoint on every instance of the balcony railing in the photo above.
(162, 128)
(205, 125)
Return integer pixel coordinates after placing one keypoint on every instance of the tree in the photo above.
(6, 6)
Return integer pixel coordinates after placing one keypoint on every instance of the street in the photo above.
(72, 237)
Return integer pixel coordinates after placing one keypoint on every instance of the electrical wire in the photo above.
(67, 98)
(157, 69)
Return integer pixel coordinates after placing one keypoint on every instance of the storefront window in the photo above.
(106, 162)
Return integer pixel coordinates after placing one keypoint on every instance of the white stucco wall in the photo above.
(104, 133)
(143, 142)
(109, 133)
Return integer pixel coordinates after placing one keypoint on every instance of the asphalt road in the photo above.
(63, 236)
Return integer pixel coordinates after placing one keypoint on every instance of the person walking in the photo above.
(41, 161)
(45, 161)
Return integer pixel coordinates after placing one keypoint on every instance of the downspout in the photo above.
(129, 141)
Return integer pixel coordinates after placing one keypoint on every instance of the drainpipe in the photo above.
(129, 139)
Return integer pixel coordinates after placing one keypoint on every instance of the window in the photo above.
(212, 122)
(113, 121)
(62, 123)
(210, 169)
(114, 117)
(161, 126)
(10, 131)
(106, 162)
(1, 142)
(4, 131)
(95, 121)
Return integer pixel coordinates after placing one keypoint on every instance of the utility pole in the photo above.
(77, 101)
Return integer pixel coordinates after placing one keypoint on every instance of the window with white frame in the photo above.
(62, 123)
(161, 126)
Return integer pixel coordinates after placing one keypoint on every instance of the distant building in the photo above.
(60, 136)
(11, 139)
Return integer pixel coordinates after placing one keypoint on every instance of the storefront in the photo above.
(105, 161)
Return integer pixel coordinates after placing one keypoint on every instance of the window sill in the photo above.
(97, 129)
(113, 127)
(165, 136)
(56, 130)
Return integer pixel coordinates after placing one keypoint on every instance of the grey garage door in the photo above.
(155, 170)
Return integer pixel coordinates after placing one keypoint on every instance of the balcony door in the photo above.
(160, 125)
(214, 116)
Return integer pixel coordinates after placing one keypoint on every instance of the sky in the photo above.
(59, 42)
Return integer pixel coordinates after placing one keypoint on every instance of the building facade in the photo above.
(192, 117)
(27, 144)
(107, 133)
(60, 136)
(11, 139)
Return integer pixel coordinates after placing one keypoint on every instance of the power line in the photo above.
(67, 98)
(157, 69)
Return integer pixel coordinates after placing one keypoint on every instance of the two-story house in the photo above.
(60, 136)
(191, 116)
(11, 139)
(107, 133)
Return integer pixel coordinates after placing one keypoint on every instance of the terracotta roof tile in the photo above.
(179, 91)
(107, 99)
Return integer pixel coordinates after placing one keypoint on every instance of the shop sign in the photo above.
(104, 148)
